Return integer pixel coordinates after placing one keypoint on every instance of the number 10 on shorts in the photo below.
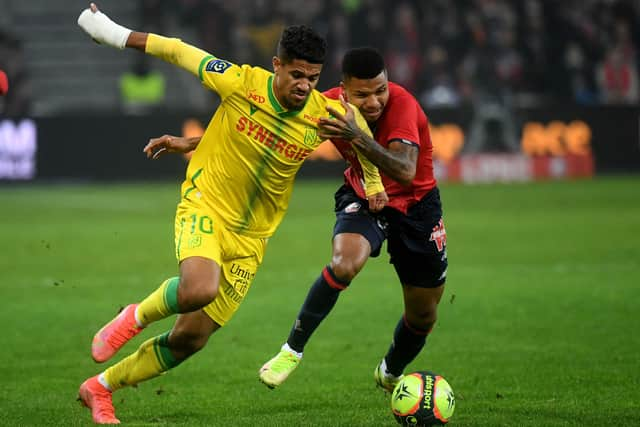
(202, 224)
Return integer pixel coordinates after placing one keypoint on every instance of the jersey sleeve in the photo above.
(215, 73)
(403, 121)
(222, 76)
(372, 180)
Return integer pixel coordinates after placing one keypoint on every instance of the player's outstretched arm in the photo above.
(105, 31)
(158, 147)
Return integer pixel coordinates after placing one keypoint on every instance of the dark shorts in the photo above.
(353, 216)
(416, 241)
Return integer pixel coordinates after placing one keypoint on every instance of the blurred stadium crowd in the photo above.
(447, 52)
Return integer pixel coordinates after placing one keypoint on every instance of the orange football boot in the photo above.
(96, 397)
(108, 340)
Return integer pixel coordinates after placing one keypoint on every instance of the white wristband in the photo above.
(102, 29)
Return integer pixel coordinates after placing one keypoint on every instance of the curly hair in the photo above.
(362, 63)
(302, 42)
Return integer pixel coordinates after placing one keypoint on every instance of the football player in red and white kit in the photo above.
(411, 222)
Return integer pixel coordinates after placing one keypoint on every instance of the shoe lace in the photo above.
(124, 331)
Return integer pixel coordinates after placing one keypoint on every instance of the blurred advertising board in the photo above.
(18, 147)
(531, 144)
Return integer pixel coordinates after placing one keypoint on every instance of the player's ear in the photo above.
(344, 91)
(276, 62)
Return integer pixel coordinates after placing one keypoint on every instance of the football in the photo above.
(422, 399)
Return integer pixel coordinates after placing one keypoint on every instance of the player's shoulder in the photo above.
(253, 80)
(242, 71)
(319, 101)
(254, 72)
(402, 103)
(401, 95)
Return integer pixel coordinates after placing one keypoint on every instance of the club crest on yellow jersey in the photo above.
(310, 135)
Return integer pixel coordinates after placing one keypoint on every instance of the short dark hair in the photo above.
(302, 42)
(362, 63)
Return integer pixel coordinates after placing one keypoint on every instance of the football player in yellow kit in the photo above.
(237, 188)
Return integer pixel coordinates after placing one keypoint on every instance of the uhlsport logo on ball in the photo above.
(422, 399)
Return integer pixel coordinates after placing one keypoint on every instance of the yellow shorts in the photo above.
(198, 232)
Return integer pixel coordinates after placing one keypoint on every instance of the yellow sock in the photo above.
(152, 358)
(162, 303)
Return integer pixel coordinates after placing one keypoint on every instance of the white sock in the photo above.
(139, 323)
(290, 350)
(104, 382)
(383, 368)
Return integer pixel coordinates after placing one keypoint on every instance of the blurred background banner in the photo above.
(515, 90)
(551, 143)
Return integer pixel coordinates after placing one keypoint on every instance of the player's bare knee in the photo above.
(206, 294)
(424, 319)
(196, 293)
(345, 268)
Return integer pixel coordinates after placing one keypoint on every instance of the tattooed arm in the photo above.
(398, 161)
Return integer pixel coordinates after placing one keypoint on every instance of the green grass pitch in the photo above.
(539, 324)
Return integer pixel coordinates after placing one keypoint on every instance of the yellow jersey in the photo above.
(245, 164)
